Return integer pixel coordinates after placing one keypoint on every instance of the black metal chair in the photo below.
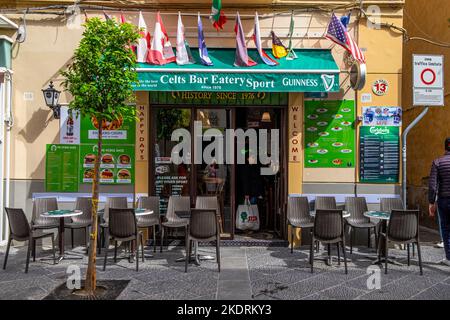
(111, 202)
(123, 227)
(83, 221)
(298, 216)
(176, 203)
(203, 226)
(329, 228)
(150, 220)
(403, 228)
(389, 204)
(356, 206)
(20, 230)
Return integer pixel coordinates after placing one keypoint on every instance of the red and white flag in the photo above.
(184, 55)
(161, 51)
(143, 42)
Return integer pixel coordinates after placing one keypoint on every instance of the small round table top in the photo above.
(383, 215)
(61, 213)
(142, 212)
(345, 214)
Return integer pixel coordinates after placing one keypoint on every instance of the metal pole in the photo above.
(404, 136)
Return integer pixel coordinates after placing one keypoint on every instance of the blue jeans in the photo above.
(444, 216)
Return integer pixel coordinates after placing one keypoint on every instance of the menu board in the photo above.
(61, 168)
(114, 132)
(116, 164)
(379, 154)
(330, 134)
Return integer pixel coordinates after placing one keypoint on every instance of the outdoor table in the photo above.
(329, 260)
(197, 257)
(384, 216)
(61, 214)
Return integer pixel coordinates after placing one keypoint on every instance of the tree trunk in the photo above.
(91, 274)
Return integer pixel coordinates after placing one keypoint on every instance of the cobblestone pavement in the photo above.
(247, 272)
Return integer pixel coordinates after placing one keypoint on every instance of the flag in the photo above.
(291, 53)
(122, 18)
(107, 17)
(217, 16)
(346, 19)
(202, 50)
(144, 41)
(278, 49)
(184, 55)
(257, 38)
(241, 58)
(161, 51)
(338, 33)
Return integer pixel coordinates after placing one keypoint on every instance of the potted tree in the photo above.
(100, 78)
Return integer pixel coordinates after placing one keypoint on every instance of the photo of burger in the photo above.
(88, 174)
(107, 159)
(89, 159)
(124, 159)
(106, 174)
(123, 174)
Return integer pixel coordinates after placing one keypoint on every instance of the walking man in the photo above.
(439, 196)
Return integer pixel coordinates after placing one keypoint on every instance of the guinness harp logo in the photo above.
(328, 81)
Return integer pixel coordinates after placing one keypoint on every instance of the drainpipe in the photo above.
(7, 152)
(404, 136)
(2, 126)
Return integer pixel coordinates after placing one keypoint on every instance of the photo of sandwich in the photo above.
(89, 158)
(107, 159)
(124, 159)
(123, 174)
(106, 174)
(88, 174)
(108, 125)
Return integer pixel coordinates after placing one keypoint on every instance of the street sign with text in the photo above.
(428, 80)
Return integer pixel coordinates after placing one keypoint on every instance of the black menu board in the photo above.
(379, 154)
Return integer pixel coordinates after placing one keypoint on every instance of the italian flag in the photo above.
(217, 16)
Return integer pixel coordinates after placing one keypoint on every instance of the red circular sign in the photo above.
(423, 78)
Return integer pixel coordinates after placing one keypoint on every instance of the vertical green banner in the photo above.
(330, 134)
(116, 165)
(61, 168)
(379, 154)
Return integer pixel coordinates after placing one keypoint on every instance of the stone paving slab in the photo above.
(258, 273)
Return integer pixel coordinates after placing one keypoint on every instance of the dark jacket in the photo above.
(439, 182)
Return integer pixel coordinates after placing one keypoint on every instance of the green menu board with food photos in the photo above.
(330, 134)
(116, 164)
(61, 168)
(116, 132)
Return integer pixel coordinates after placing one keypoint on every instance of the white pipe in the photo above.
(7, 155)
(2, 126)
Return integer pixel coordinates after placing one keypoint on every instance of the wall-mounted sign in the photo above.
(142, 133)
(295, 133)
(380, 87)
(114, 132)
(330, 134)
(358, 73)
(116, 164)
(379, 154)
(61, 168)
(382, 116)
(428, 80)
(69, 123)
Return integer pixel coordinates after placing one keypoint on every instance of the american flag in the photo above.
(338, 33)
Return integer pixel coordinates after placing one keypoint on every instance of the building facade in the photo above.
(48, 48)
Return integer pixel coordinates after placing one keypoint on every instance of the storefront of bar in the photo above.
(226, 98)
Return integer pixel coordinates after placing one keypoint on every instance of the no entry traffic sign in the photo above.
(428, 80)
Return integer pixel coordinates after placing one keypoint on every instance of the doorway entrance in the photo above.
(230, 182)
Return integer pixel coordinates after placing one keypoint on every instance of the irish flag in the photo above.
(161, 51)
(144, 41)
(217, 16)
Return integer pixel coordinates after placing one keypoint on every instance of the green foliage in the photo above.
(169, 120)
(102, 74)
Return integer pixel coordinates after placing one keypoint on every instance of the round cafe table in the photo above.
(384, 216)
(61, 214)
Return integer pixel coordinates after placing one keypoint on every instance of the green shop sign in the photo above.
(313, 71)
(330, 134)
(61, 168)
(114, 132)
(116, 164)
